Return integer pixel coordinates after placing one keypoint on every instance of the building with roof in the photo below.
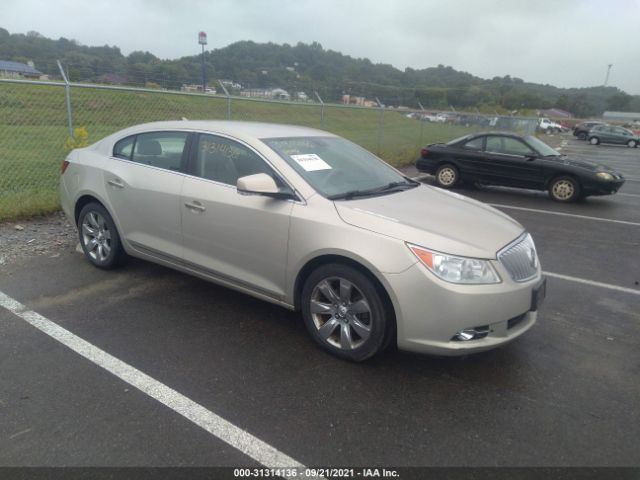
(621, 116)
(10, 69)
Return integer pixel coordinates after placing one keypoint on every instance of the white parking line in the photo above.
(562, 214)
(593, 283)
(628, 194)
(217, 426)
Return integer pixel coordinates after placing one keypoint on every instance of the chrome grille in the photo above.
(520, 258)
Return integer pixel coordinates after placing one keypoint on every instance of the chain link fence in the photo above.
(37, 120)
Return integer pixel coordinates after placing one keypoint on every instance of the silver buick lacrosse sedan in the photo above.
(312, 222)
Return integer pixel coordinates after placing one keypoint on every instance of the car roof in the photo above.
(499, 133)
(230, 127)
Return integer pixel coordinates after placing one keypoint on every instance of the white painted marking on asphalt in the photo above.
(592, 283)
(628, 194)
(562, 214)
(217, 426)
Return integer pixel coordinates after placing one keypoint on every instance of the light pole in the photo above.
(606, 79)
(202, 40)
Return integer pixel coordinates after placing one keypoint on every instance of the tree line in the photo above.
(309, 68)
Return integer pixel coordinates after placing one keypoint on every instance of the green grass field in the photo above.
(33, 131)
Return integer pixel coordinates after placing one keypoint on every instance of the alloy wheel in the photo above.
(341, 313)
(96, 236)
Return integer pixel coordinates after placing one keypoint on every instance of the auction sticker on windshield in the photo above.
(311, 162)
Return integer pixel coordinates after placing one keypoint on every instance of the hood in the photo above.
(434, 219)
(591, 167)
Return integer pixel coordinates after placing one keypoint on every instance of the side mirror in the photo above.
(262, 184)
(530, 158)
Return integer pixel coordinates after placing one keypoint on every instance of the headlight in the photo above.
(456, 269)
(604, 176)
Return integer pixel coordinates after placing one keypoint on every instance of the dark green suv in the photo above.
(614, 135)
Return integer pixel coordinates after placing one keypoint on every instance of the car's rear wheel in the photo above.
(632, 144)
(344, 312)
(564, 189)
(594, 140)
(99, 237)
(447, 176)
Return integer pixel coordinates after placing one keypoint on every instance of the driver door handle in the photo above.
(195, 206)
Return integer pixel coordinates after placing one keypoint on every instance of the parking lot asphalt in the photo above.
(564, 394)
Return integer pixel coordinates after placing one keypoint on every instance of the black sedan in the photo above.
(515, 161)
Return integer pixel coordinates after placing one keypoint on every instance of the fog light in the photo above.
(467, 334)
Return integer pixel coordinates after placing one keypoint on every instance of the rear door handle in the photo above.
(195, 205)
(115, 183)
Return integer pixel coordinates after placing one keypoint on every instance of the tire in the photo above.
(99, 237)
(345, 313)
(632, 144)
(447, 176)
(582, 136)
(564, 189)
(594, 141)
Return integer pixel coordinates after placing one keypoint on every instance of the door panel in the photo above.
(243, 238)
(146, 203)
(510, 165)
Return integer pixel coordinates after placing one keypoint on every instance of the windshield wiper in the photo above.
(388, 188)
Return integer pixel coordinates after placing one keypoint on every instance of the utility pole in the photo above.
(202, 40)
(606, 79)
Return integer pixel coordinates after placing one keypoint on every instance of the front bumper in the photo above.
(603, 188)
(429, 311)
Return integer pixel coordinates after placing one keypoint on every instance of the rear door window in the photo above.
(160, 149)
(475, 144)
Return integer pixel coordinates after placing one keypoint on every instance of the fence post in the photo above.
(381, 126)
(321, 110)
(421, 126)
(228, 99)
(67, 94)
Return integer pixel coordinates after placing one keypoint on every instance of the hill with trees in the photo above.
(309, 68)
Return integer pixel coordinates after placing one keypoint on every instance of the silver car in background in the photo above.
(312, 222)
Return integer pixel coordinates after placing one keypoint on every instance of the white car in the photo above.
(549, 126)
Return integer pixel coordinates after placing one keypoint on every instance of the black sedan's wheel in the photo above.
(594, 140)
(632, 144)
(447, 176)
(582, 136)
(564, 189)
(344, 312)
(99, 237)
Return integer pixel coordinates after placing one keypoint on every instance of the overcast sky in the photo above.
(567, 43)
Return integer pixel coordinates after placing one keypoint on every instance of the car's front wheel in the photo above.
(99, 237)
(594, 140)
(564, 189)
(447, 176)
(344, 312)
(632, 144)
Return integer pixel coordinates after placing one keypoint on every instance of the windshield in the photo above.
(541, 147)
(334, 166)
